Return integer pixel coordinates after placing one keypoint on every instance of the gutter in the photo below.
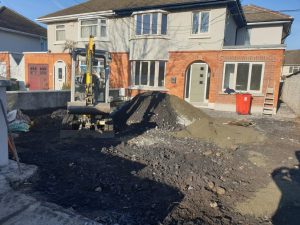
(23, 33)
(289, 31)
(129, 11)
(174, 6)
(269, 22)
(75, 16)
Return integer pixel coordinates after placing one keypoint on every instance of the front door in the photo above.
(60, 74)
(195, 84)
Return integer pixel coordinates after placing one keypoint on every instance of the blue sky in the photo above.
(36, 8)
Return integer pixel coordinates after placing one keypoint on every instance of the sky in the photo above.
(36, 8)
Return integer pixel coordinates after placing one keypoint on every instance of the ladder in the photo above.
(268, 108)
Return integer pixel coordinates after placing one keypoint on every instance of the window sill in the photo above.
(253, 94)
(147, 88)
(150, 37)
(95, 39)
(200, 36)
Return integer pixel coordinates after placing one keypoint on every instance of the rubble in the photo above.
(153, 175)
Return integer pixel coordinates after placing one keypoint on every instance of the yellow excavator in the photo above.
(89, 108)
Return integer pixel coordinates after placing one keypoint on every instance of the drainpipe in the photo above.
(3, 128)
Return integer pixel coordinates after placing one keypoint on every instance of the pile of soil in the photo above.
(224, 135)
(155, 109)
(168, 112)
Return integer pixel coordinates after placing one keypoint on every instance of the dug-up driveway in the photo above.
(17, 208)
(161, 173)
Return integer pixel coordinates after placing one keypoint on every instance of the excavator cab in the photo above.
(89, 108)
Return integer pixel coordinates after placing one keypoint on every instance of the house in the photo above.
(291, 62)
(18, 34)
(291, 80)
(192, 49)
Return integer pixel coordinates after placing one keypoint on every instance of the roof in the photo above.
(118, 5)
(292, 57)
(10, 19)
(255, 13)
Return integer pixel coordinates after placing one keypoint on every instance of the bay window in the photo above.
(148, 73)
(200, 22)
(243, 76)
(151, 24)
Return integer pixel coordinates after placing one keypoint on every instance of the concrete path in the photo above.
(19, 209)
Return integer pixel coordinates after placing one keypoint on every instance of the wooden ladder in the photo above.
(268, 108)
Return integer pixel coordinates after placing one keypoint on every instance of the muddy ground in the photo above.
(149, 176)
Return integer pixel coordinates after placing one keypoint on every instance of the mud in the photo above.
(149, 176)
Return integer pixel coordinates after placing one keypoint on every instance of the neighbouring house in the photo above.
(291, 62)
(17, 35)
(193, 49)
(291, 80)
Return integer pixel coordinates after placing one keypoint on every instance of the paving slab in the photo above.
(20, 209)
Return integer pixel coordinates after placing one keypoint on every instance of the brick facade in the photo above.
(49, 59)
(179, 62)
(119, 70)
(4, 57)
(177, 66)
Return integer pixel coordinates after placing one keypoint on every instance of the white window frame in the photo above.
(293, 68)
(249, 77)
(103, 25)
(159, 23)
(199, 26)
(98, 37)
(3, 71)
(60, 29)
(156, 75)
(99, 65)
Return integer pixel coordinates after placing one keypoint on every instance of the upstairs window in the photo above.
(88, 28)
(60, 33)
(103, 28)
(200, 22)
(243, 76)
(151, 24)
(164, 24)
(149, 73)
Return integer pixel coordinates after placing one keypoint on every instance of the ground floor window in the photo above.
(3, 69)
(243, 76)
(148, 73)
(98, 66)
(294, 69)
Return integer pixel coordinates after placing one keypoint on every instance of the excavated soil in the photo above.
(152, 173)
(168, 112)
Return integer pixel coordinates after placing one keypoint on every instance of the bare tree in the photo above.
(69, 45)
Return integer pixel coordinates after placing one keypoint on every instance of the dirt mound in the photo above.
(168, 112)
(224, 135)
(153, 109)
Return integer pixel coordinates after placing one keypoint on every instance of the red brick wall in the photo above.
(50, 59)
(120, 67)
(180, 61)
(4, 57)
(120, 70)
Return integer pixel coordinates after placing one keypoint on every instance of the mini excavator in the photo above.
(89, 108)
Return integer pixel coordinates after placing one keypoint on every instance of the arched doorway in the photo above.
(59, 75)
(197, 82)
